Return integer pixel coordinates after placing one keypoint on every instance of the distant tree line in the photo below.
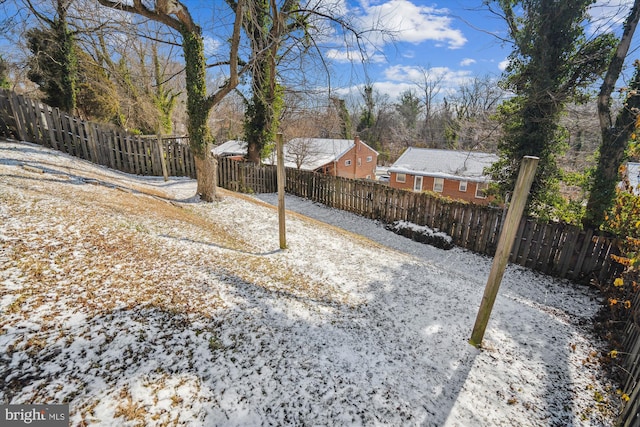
(150, 68)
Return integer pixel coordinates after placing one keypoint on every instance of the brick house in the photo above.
(454, 174)
(336, 157)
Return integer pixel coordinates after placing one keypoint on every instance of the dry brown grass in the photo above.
(101, 248)
(92, 250)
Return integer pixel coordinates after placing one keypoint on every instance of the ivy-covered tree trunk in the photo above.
(606, 177)
(198, 107)
(261, 119)
(266, 103)
(552, 63)
(68, 65)
(176, 15)
(267, 26)
(54, 64)
(615, 140)
(615, 137)
(4, 74)
(164, 99)
(345, 119)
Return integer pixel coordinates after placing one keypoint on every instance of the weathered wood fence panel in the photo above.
(630, 416)
(246, 176)
(31, 120)
(556, 249)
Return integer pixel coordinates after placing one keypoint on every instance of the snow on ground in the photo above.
(123, 297)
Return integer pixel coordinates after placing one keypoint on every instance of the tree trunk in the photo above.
(177, 16)
(612, 152)
(198, 107)
(253, 152)
(614, 137)
(68, 67)
(207, 173)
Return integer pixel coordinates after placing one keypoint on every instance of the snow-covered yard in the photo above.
(122, 296)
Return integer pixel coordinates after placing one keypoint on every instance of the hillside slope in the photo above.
(124, 297)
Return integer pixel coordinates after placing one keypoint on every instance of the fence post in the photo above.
(163, 161)
(16, 116)
(505, 243)
(281, 181)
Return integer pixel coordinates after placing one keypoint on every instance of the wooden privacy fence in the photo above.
(556, 249)
(559, 250)
(246, 177)
(630, 416)
(31, 120)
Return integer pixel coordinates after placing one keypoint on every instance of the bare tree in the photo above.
(306, 116)
(301, 150)
(474, 104)
(147, 82)
(227, 119)
(175, 15)
(409, 109)
(430, 86)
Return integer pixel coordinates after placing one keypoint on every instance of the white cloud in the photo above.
(433, 74)
(399, 78)
(347, 55)
(409, 54)
(412, 23)
(341, 55)
(502, 65)
(467, 61)
(211, 46)
(393, 89)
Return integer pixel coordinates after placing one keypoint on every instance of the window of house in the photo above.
(462, 187)
(368, 176)
(347, 162)
(401, 177)
(417, 183)
(359, 161)
(369, 159)
(438, 184)
(481, 187)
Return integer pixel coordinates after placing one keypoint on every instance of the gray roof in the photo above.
(231, 148)
(461, 165)
(314, 152)
(321, 151)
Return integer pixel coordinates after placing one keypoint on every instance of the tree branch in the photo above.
(613, 72)
(234, 74)
(139, 8)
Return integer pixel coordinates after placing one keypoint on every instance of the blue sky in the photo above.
(451, 41)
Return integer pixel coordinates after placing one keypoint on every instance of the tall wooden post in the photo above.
(281, 176)
(505, 243)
